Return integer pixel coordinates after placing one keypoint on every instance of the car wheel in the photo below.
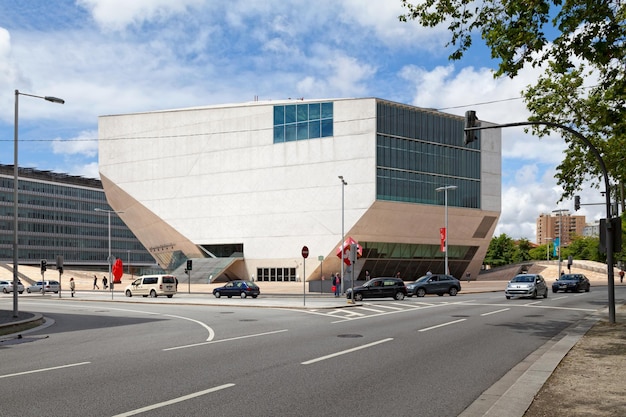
(254, 296)
(508, 297)
(545, 294)
(4, 290)
(358, 296)
(22, 292)
(554, 290)
(152, 294)
(128, 293)
(28, 290)
(420, 292)
(399, 296)
(588, 288)
(170, 295)
(244, 295)
(453, 291)
(217, 294)
(534, 294)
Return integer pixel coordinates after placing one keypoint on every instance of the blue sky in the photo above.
(118, 56)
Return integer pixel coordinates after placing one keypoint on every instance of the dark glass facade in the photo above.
(419, 151)
(57, 217)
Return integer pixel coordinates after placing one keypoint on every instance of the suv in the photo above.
(153, 286)
(526, 285)
(379, 288)
(439, 284)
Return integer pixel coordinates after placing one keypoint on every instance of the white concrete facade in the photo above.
(213, 176)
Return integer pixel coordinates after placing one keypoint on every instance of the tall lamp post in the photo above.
(343, 238)
(445, 192)
(560, 211)
(109, 259)
(548, 240)
(15, 191)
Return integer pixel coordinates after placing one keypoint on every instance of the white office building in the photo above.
(241, 189)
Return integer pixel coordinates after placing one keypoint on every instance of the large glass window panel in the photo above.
(290, 133)
(315, 111)
(303, 131)
(315, 129)
(290, 114)
(302, 112)
(327, 110)
(279, 115)
(279, 134)
(327, 128)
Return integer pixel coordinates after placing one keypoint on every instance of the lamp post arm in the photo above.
(607, 185)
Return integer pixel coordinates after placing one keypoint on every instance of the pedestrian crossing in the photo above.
(372, 309)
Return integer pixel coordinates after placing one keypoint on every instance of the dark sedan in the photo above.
(439, 284)
(238, 288)
(571, 282)
(379, 288)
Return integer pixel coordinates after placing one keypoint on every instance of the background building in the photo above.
(240, 189)
(57, 217)
(553, 225)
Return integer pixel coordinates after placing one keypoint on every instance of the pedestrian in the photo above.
(72, 286)
(336, 284)
(398, 275)
(621, 275)
(95, 282)
(367, 276)
(104, 283)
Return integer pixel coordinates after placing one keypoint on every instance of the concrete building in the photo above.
(57, 218)
(563, 224)
(240, 189)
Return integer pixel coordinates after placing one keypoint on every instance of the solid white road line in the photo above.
(44, 369)
(495, 312)
(225, 340)
(441, 325)
(210, 330)
(174, 401)
(333, 355)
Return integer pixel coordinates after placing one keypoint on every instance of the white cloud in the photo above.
(86, 143)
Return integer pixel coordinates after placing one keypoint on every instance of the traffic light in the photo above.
(44, 263)
(470, 121)
(576, 202)
(189, 264)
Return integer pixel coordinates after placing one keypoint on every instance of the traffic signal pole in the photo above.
(472, 124)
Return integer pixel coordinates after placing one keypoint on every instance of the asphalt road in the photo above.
(431, 356)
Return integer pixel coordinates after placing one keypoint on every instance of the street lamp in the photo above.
(343, 238)
(560, 211)
(445, 192)
(548, 239)
(109, 259)
(15, 191)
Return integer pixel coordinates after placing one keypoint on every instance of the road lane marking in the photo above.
(174, 401)
(44, 369)
(495, 312)
(209, 329)
(370, 309)
(344, 352)
(225, 340)
(441, 325)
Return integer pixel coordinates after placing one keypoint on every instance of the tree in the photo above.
(522, 251)
(575, 41)
(501, 251)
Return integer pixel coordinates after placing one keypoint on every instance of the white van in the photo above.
(153, 286)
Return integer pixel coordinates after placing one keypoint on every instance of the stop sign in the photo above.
(305, 252)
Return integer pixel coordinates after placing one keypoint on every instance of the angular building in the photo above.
(241, 189)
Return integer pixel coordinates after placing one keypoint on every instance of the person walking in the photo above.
(72, 286)
(95, 283)
(337, 284)
(621, 275)
(104, 283)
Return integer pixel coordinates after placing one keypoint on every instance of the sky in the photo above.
(108, 57)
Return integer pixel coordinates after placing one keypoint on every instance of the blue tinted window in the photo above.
(303, 121)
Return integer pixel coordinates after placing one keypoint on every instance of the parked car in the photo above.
(571, 282)
(7, 286)
(239, 288)
(48, 286)
(379, 288)
(153, 286)
(526, 285)
(439, 284)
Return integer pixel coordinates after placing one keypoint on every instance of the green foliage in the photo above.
(585, 248)
(501, 251)
(575, 41)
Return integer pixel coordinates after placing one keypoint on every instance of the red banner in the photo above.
(442, 235)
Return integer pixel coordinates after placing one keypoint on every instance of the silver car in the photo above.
(48, 286)
(526, 285)
(7, 286)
